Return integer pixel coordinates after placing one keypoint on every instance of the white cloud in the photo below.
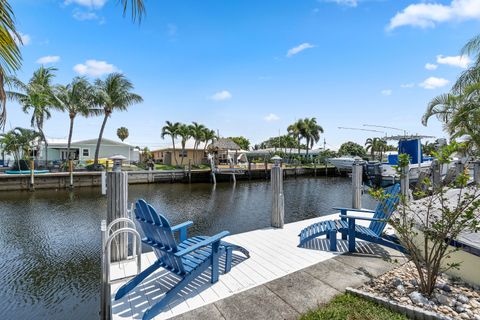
(271, 117)
(25, 38)
(348, 3)
(407, 85)
(386, 92)
(84, 15)
(93, 4)
(298, 49)
(221, 95)
(456, 61)
(433, 83)
(431, 66)
(428, 15)
(48, 59)
(95, 68)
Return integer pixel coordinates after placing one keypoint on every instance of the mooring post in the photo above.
(70, 170)
(32, 175)
(476, 171)
(436, 176)
(117, 196)
(314, 168)
(103, 182)
(189, 171)
(266, 168)
(278, 209)
(357, 185)
(405, 182)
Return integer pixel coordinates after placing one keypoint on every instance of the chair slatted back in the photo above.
(385, 208)
(159, 235)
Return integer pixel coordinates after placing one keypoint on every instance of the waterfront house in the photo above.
(84, 150)
(223, 148)
(167, 156)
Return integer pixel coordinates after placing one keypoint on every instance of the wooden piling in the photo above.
(117, 196)
(476, 171)
(32, 175)
(70, 170)
(278, 209)
(357, 185)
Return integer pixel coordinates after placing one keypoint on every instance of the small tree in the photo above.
(352, 149)
(122, 133)
(426, 227)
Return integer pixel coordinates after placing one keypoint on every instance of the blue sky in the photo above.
(249, 67)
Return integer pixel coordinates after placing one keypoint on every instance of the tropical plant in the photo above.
(459, 110)
(352, 149)
(242, 142)
(197, 131)
(76, 99)
(112, 94)
(374, 145)
(171, 129)
(37, 96)
(295, 130)
(425, 227)
(19, 142)
(184, 133)
(10, 56)
(122, 133)
(310, 130)
(208, 136)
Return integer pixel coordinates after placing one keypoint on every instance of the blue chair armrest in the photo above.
(202, 243)
(355, 210)
(360, 218)
(182, 228)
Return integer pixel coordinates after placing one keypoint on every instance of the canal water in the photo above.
(50, 240)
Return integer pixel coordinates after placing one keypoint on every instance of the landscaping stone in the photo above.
(418, 298)
(451, 297)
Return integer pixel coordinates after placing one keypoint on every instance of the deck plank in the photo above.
(273, 254)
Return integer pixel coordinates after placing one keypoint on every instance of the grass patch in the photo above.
(350, 307)
(164, 167)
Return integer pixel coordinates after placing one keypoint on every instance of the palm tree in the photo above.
(10, 56)
(36, 96)
(122, 133)
(10, 145)
(197, 132)
(113, 93)
(171, 129)
(295, 130)
(208, 135)
(75, 99)
(184, 133)
(311, 132)
(371, 146)
(19, 142)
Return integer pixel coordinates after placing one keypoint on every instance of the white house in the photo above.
(84, 150)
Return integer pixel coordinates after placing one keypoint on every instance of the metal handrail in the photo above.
(105, 312)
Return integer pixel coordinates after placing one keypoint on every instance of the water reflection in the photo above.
(50, 240)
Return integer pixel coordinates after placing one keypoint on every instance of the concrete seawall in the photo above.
(61, 180)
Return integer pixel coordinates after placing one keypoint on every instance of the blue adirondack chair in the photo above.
(347, 226)
(188, 258)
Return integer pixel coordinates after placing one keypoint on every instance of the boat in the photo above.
(384, 174)
(343, 164)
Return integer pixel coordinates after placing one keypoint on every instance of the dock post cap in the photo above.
(277, 159)
(117, 161)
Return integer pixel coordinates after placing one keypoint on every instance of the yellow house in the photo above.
(170, 157)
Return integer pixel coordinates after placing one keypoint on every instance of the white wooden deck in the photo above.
(273, 254)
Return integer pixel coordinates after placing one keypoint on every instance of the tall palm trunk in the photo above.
(70, 133)
(97, 149)
(308, 143)
(183, 152)
(40, 129)
(174, 153)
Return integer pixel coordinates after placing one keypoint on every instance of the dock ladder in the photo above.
(107, 238)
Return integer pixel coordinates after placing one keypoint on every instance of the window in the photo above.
(182, 154)
(86, 152)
